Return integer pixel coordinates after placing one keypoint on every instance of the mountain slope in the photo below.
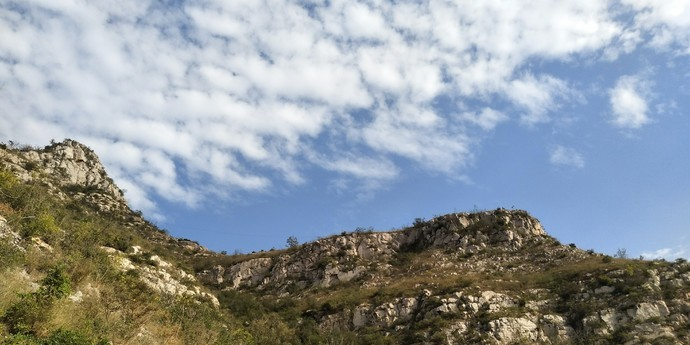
(78, 266)
(491, 277)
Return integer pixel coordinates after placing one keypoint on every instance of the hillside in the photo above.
(78, 266)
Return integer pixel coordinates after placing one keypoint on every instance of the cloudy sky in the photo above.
(240, 123)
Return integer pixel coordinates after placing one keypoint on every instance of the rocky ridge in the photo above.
(67, 166)
(489, 277)
(497, 263)
(340, 259)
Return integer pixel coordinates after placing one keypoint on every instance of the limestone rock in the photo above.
(613, 319)
(9, 236)
(385, 315)
(249, 273)
(213, 276)
(555, 328)
(37, 242)
(604, 290)
(162, 276)
(76, 297)
(644, 311)
(68, 164)
(339, 259)
(510, 329)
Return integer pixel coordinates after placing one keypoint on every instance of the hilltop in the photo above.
(80, 267)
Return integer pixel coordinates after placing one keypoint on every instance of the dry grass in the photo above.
(14, 281)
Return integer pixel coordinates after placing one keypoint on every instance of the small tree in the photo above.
(292, 242)
(621, 253)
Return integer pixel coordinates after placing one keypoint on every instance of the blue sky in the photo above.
(241, 123)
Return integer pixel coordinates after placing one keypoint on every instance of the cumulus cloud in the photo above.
(629, 103)
(536, 96)
(665, 253)
(566, 156)
(210, 96)
(667, 22)
(487, 119)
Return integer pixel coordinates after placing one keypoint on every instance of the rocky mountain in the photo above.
(70, 246)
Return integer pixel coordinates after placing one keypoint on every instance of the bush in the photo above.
(241, 304)
(30, 165)
(7, 181)
(33, 309)
(271, 330)
(43, 225)
(23, 316)
(11, 255)
(65, 337)
(20, 339)
(56, 284)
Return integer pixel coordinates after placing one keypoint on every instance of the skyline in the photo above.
(239, 126)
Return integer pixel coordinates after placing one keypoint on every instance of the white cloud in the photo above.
(668, 22)
(361, 167)
(536, 96)
(487, 119)
(665, 253)
(240, 96)
(628, 102)
(566, 156)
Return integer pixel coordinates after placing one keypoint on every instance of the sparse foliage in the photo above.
(621, 253)
(292, 242)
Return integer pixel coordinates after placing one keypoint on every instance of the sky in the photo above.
(241, 123)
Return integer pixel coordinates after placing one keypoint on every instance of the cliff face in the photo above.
(490, 277)
(339, 259)
(68, 164)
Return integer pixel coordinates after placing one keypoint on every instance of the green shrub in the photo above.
(271, 330)
(241, 304)
(34, 308)
(30, 165)
(66, 337)
(23, 316)
(56, 284)
(20, 339)
(11, 255)
(43, 225)
(240, 336)
(7, 181)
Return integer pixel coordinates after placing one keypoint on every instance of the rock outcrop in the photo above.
(340, 259)
(68, 166)
(7, 235)
(470, 252)
(159, 275)
(488, 317)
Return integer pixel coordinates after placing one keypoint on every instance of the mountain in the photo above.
(78, 266)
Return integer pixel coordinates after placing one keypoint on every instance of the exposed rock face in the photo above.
(483, 315)
(340, 259)
(596, 306)
(158, 274)
(7, 235)
(510, 329)
(67, 164)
